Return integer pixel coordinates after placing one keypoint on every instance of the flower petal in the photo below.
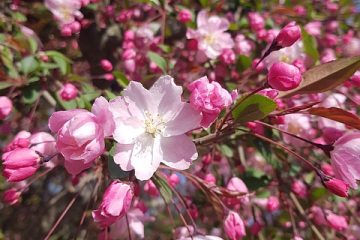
(141, 96)
(122, 156)
(103, 115)
(178, 151)
(58, 119)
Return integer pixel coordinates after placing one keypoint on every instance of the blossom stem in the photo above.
(128, 226)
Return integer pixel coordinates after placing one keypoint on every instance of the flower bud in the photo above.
(11, 196)
(20, 164)
(184, 16)
(116, 202)
(227, 56)
(337, 186)
(255, 228)
(288, 35)
(173, 180)
(273, 204)
(336, 222)
(106, 65)
(299, 188)
(234, 226)
(68, 92)
(5, 107)
(210, 178)
(151, 189)
(283, 76)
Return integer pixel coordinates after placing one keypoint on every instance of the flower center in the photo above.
(154, 124)
(209, 39)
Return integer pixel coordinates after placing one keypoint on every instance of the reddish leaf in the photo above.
(338, 115)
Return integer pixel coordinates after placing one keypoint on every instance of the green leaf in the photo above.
(253, 108)
(30, 94)
(4, 85)
(326, 76)
(310, 45)
(33, 44)
(226, 150)
(318, 193)
(158, 60)
(110, 95)
(61, 60)
(163, 188)
(121, 79)
(29, 64)
(255, 179)
(243, 63)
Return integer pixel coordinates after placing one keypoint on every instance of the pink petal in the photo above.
(103, 115)
(58, 119)
(122, 156)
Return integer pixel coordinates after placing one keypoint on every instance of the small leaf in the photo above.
(30, 94)
(326, 76)
(158, 60)
(121, 79)
(310, 45)
(61, 60)
(4, 85)
(338, 115)
(253, 108)
(163, 187)
(255, 179)
(29, 64)
(110, 95)
(226, 150)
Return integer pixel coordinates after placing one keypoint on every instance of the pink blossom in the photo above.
(20, 164)
(211, 35)
(235, 184)
(327, 55)
(313, 28)
(299, 188)
(151, 189)
(352, 47)
(173, 179)
(288, 35)
(68, 92)
(21, 140)
(6, 107)
(106, 65)
(273, 204)
(209, 98)
(283, 76)
(256, 228)
(234, 226)
(115, 203)
(345, 158)
(45, 144)
(242, 45)
(300, 10)
(184, 16)
(337, 186)
(336, 222)
(256, 21)
(136, 219)
(149, 126)
(298, 124)
(81, 134)
(210, 179)
(228, 56)
(65, 11)
(11, 196)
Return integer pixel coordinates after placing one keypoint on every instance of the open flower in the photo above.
(65, 11)
(151, 126)
(81, 134)
(211, 35)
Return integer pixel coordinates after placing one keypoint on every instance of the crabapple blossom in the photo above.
(209, 98)
(345, 158)
(299, 188)
(337, 186)
(234, 226)
(115, 203)
(11, 196)
(6, 107)
(80, 134)
(210, 34)
(106, 65)
(68, 92)
(149, 126)
(272, 204)
(184, 16)
(20, 164)
(283, 76)
(65, 11)
(288, 35)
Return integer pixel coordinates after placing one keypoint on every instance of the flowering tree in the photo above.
(161, 119)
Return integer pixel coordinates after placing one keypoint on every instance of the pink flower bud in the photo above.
(299, 188)
(336, 222)
(116, 202)
(106, 65)
(206, 159)
(66, 31)
(300, 10)
(337, 186)
(227, 56)
(192, 44)
(256, 21)
(68, 92)
(257, 67)
(283, 76)
(11, 196)
(184, 16)
(255, 228)
(288, 35)
(20, 164)
(273, 204)
(5, 107)
(151, 189)
(75, 27)
(173, 180)
(108, 77)
(210, 178)
(234, 226)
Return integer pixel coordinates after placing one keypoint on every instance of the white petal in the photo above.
(140, 96)
(122, 156)
(146, 156)
(186, 120)
(178, 151)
